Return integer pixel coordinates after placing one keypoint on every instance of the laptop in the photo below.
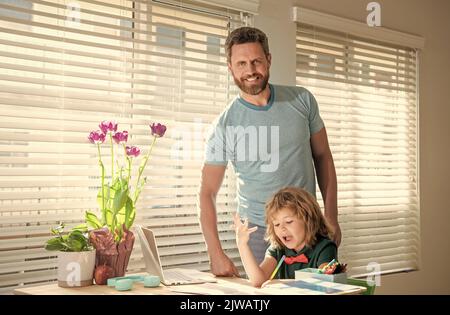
(175, 276)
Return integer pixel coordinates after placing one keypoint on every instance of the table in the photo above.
(223, 286)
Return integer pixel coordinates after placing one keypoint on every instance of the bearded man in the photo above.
(274, 137)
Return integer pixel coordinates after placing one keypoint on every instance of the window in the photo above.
(63, 70)
(366, 90)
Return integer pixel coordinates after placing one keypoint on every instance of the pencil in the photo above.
(278, 267)
(328, 265)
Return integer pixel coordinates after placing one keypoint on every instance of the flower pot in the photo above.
(112, 257)
(117, 261)
(76, 269)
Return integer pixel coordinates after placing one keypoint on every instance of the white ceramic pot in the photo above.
(76, 269)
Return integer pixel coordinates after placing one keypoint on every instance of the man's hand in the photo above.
(222, 266)
(337, 233)
(212, 176)
(326, 177)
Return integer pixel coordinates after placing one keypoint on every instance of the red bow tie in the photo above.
(296, 259)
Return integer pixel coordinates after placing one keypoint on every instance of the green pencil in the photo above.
(328, 265)
(278, 267)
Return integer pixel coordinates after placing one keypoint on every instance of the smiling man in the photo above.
(274, 137)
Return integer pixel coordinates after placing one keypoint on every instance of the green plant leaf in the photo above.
(130, 213)
(106, 196)
(75, 234)
(119, 233)
(83, 227)
(54, 244)
(75, 241)
(58, 230)
(108, 217)
(119, 198)
(92, 220)
(74, 245)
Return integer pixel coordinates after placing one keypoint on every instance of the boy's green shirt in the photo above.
(324, 251)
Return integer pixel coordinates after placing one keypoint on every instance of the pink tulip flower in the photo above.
(96, 137)
(158, 130)
(106, 126)
(132, 151)
(120, 137)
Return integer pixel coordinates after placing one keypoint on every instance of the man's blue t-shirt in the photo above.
(268, 146)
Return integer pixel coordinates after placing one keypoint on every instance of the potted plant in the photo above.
(76, 256)
(117, 198)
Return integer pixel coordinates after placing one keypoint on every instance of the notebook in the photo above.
(175, 276)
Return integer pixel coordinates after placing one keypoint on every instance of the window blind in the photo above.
(67, 66)
(250, 6)
(366, 90)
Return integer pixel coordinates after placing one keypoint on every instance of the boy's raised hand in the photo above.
(242, 230)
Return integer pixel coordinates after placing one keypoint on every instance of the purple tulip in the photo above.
(96, 137)
(106, 126)
(158, 130)
(120, 137)
(132, 151)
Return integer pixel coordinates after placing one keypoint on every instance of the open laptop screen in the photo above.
(150, 251)
(153, 263)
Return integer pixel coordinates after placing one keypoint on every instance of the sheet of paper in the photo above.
(214, 289)
(310, 286)
(193, 274)
(307, 286)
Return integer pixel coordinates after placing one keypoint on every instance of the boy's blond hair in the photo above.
(305, 206)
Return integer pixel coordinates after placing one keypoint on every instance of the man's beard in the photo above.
(253, 89)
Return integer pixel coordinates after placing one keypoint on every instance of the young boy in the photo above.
(296, 228)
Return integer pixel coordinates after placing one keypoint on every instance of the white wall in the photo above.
(275, 20)
(430, 20)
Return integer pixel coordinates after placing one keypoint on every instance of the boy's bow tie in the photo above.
(296, 259)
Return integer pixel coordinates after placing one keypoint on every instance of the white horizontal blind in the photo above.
(250, 6)
(63, 70)
(366, 92)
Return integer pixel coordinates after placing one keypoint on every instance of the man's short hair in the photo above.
(244, 35)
